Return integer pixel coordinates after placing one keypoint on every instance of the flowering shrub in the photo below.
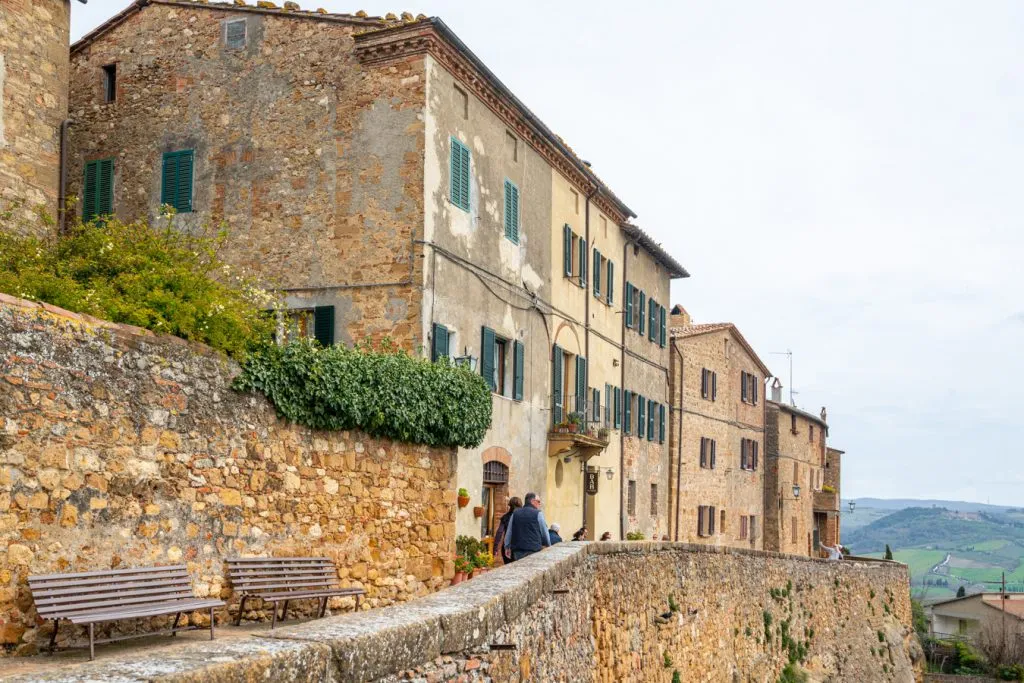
(158, 278)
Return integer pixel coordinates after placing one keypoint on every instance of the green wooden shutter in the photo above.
(105, 191)
(641, 422)
(595, 405)
(176, 185)
(583, 262)
(661, 424)
(629, 304)
(663, 338)
(643, 308)
(169, 182)
(556, 384)
(487, 357)
(652, 326)
(323, 325)
(618, 407)
(184, 198)
(89, 190)
(440, 345)
(597, 273)
(511, 212)
(608, 404)
(627, 412)
(517, 372)
(460, 175)
(610, 289)
(581, 386)
(567, 249)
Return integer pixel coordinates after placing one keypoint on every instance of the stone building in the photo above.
(376, 171)
(33, 104)
(794, 472)
(717, 435)
(828, 500)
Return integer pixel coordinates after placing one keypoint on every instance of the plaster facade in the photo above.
(795, 450)
(33, 105)
(720, 414)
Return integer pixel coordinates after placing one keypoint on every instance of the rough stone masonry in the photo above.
(119, 448)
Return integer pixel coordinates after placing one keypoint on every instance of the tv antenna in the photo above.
(789, 353)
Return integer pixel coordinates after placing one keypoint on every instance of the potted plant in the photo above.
(603, 433)
(563, 427)
(482, 562)
(463, 498)
(462, 568)
(478, 511)
(575, 422)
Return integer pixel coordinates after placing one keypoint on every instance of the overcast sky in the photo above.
(840, 179)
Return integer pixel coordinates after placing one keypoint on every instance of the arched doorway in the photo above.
(494, 496)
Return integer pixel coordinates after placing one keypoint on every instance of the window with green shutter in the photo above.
(581, 386)
(627, 412)
(583, 262)
(557, 377)
(98, 189)
(618, 407)
(323, 325)
(519, 357)
(607, 404)
(597, 273)
(629, 305)
(439, 347)
(661, 424)
(176, 188)
(663, 337)
(641, 420)
(460, 175)
(487, 367)
(610, 289)
(650, 419)
(567, 249)
(511, 212)
(652, 322)
(643, 308)
(595, 405)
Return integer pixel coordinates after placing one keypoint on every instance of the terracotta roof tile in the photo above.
(706, 328)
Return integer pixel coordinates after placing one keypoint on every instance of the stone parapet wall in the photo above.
(590, 612)
(119, 448)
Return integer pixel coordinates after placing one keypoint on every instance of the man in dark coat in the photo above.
(527, 530)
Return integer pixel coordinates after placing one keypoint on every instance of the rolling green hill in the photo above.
(946, 549)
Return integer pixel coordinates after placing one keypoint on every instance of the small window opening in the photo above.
(110, 82)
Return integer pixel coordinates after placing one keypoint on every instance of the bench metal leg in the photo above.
(92, 646)
(53, 636)
(357, 602)
(174, 628)
(323, 607)
(284, 612)
(241, 608)
(273, 618)
(211, 623)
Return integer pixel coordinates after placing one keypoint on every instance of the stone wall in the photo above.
(795, 454)
(119, 448)
(590, 612)
(33, 101)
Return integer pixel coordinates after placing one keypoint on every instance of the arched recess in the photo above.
(497, 466)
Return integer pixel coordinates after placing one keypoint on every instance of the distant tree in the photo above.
(961, 592)
(917, 612)
(888, 552)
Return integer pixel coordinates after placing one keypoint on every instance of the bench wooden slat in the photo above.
(272, 560)
(288, 595)
(277, 570)
(126, 581)
(71, 592)
(147, 611)
(109, 572)
(92, 605)
(296, 585)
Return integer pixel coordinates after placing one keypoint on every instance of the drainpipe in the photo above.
(622, 383)
(63, 181)
(679, 434)
(586, 325)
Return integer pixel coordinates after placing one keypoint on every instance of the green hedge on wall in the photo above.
(386, 394)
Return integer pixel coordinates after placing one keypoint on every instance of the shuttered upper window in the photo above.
(439, 348)
(460, 175)
(511, 212)
(234, 34)
(98, 189)
(176, 189)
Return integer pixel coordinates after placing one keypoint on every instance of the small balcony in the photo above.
(826, 501)
(575, 431)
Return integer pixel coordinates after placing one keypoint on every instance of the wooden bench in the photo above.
(90, 598)
(281, 579)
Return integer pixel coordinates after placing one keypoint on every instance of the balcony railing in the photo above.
(826, 501)
(577, 417)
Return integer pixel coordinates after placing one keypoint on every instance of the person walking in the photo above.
(527, 530)
(581, 534)
(514, 503)
(553, 533)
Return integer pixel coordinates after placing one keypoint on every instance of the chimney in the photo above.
(680, 318)
(777, 391)
(824, 415)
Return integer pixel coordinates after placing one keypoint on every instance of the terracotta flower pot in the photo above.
(458, 578)
(463, 501)
(478, 511)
